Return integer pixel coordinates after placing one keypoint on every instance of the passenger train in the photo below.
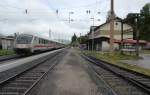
(28, 44)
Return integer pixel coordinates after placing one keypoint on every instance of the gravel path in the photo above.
(69, 78)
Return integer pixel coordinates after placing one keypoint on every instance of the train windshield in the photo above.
(24, 39)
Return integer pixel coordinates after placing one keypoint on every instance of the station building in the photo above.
(6, 43)
(101, 36)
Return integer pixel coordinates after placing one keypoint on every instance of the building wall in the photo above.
(105, 46)
(7, 44)
(104, 31)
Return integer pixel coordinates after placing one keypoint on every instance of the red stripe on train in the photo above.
(42, 46)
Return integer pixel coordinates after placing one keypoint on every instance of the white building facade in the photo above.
(6, 43)
(103, 31)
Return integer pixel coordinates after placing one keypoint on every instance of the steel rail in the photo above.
(21, 72)
(109, 65)
(50, 69)
(4, 83)
(136, 83)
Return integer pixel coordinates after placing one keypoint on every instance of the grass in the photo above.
(146, 51)
(116, 60)
(6, 52)
(111, 57)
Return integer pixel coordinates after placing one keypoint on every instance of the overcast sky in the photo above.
(42, 15)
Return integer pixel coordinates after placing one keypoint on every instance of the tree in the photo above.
(74, 41)
(130, 19)
(82, 39)
(74, 38)
(144, 23)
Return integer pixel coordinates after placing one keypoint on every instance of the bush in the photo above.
(6, 52)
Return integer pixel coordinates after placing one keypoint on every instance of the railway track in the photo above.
(122, 81)
(26, 82)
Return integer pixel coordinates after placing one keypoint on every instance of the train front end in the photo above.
(23, 44)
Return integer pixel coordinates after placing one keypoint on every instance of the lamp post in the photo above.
(137, 34)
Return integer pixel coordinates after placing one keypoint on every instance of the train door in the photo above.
(35, 43)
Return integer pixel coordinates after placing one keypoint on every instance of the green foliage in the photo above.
(130, 19)
(74, 41)
(115, 60)
(112, 57)
(82, 39)
(143, 22)
(74, 38)
(6, 52)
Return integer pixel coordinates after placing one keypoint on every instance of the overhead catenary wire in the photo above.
(57, 11)
(4, 5)
(38, 12)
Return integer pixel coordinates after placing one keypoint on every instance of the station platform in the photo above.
(8, 65)
(69, 77)
(12, 68)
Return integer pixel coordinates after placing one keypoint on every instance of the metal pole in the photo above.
(93, 39)
(137, 43)
(70, 15)
(121, 36)
(80, 38)
(93, 35)
(137, 36)
(88, 45)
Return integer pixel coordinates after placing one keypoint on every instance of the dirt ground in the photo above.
(69, 77)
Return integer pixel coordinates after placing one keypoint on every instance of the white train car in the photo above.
(27, 43)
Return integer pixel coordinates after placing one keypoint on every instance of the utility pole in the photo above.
(112, 27)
